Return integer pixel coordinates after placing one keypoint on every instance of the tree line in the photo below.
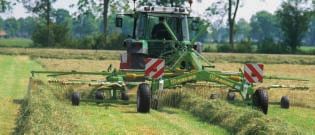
(291, 26)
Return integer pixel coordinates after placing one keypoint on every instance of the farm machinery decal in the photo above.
(166, 59)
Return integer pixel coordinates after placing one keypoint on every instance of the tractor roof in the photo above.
(164, 10)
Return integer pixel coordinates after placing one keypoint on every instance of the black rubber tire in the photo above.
(155, 103)
(285, 102)
(214, 96)
(124, 96)
(143, 98)
(75, 98)
(99, 95)
(260, 100)
(230, 96)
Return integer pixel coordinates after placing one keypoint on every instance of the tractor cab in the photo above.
(158, 32)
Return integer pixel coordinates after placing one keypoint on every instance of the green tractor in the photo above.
(162, 50)
(169, 56)
(161, 54)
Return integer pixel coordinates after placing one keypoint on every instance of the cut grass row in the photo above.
(14, 79)
(49, 115)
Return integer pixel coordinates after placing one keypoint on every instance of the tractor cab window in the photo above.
(141, 32)
(177, 23)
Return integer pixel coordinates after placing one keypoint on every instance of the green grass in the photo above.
(16, 42)
(122, 119)
(307, 48)
(14, 79)
(302, 118)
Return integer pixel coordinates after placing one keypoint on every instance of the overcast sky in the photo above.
(250, 7)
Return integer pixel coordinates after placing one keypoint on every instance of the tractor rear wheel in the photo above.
(285, 102)
(75, 98)
(260, 100)
(230, 96)
(99, 95)
(143, 98)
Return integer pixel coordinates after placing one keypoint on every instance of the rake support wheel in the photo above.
(155, 102)
(75, 98)
(124, 96)
(230, 96)
(260, 100)
(143, 98)
(285, 102)
(99, 95)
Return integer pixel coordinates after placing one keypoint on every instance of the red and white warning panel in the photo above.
(253, 73)
(154, 68)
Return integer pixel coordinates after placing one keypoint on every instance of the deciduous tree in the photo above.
(264, 25)
(294, 20)
(43, 9)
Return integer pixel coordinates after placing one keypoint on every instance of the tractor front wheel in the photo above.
(75, 98)
(143, 98)
(285, 102)
(260, 100)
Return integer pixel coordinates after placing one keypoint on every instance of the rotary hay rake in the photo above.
(169, 61)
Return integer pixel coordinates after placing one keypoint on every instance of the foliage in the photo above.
(62, 16)
(221, 8)
(208, 48)
(91, 6)
(244, 47)
(116, 41)
(309, 36)
(6, 5)
(85, 25)
(172, 3)
(41, 8)
(242, 29)
(264, 25)
(269, 46)
(27, 26)
(294, 19)
(97, 41)
(224, 48)
(11, 26)
(59, 36)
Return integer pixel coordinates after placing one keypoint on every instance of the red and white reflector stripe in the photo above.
(154, 68)
(253, 73)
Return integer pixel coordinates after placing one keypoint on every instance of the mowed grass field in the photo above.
(14, 80)
(87, 118)
(302, 101)
(123, 119)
